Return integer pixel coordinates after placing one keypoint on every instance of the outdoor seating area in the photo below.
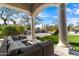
(16, 46)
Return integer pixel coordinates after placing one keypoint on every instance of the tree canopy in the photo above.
(6, 13)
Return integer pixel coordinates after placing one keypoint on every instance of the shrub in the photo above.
(20, 29)
(10, 30)
(13, 29)
(1, 31)
(51, 28)
(2, 34)
(0, 28)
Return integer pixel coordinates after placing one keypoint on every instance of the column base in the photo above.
(60, 44)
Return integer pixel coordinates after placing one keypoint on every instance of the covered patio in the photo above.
(32, 10)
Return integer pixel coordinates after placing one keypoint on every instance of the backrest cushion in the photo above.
(20, 44)
(45, 43)
(15, 38)
(22, 37)
(13, 49)
(9, 40)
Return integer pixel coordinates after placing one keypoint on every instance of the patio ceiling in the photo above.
(16, 6)
(29, 8)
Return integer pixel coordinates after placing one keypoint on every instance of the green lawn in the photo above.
(72, 39)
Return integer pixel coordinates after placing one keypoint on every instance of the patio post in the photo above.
(33, 28)
(62, 26)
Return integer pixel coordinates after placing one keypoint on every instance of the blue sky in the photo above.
(50, 14)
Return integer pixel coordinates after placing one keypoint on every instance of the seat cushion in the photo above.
(28, 48)
(20, 44)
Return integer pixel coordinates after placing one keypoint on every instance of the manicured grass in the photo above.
(72, 39)
(76, 48)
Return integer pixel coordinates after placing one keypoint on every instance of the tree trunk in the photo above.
(14, 22)
(5, 23)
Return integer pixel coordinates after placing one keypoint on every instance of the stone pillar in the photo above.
(62, 26)
(33, 28)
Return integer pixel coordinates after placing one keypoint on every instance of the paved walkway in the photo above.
(73, 33)
(61, 51)
(42, 34)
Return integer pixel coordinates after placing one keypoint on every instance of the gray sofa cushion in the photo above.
(28, 48)
(9, 40)
(13, 49)
(20, 44)
(44, 43)
(22, 37)
(15, 38)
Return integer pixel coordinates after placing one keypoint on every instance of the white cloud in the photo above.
(76, 11)
(73, 11)
(68, 10)
(40, 26)
(1, 22)
(46, 15)
(55, 17)
(42, 15)
(72, 21)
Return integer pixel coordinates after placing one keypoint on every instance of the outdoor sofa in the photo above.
(16, 46)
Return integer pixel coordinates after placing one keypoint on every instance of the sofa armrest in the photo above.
(47, 48)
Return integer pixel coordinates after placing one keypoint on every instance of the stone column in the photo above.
(33, 28)
(62, 26)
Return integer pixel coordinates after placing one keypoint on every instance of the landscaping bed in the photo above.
(9, 30)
